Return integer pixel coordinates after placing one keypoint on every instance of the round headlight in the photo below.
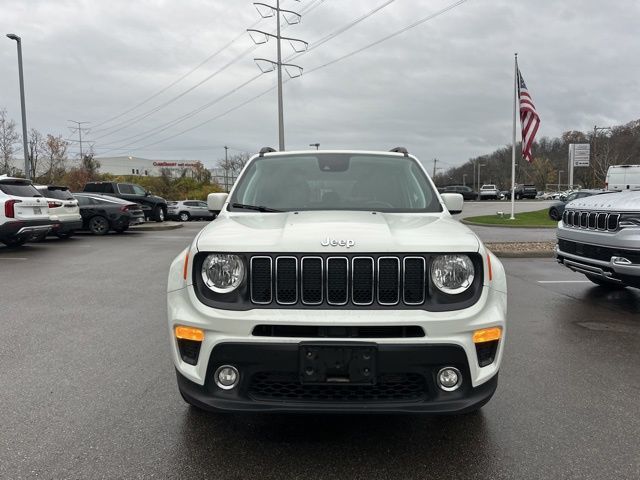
(223, 273)
(452, 274)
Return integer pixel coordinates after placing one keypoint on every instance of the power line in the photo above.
(311, 6)
(377, 42)
(165, 126)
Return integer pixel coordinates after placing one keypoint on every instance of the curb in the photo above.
(466, 222)
(161, 227)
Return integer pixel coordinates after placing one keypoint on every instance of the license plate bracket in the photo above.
(337, 364)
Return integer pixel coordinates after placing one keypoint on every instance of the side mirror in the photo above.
(215, 201)
(453, 202)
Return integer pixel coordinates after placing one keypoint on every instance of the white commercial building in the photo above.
(146, 167)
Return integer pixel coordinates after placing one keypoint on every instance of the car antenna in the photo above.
(400, 150)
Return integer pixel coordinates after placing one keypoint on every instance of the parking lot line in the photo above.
(564, 281)
(12, 258)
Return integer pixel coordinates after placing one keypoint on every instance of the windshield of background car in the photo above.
(338, 181)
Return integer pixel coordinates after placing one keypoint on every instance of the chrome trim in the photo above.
(347, 280)
(302, 280)
(620, 261)
(424, 275)
(270, 275)
(284, 257)
(35, 229)
(617, 221)
(378, 281)
(601, 214)
(373, 283)
(590, 270)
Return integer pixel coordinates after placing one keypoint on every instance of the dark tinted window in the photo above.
(98, 187)
(20, 189)
(126, 188)
(191, 204)
(138, 190)
(83, 201)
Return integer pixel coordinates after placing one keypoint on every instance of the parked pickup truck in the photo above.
(155, 208)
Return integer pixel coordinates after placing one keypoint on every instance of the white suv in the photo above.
(24, 213)
(336, 281)
(63, 209)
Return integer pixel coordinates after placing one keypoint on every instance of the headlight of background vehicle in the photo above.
(452, 274)
(223, 273)
(629, 220)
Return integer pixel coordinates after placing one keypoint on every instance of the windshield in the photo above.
(19, 189)
(336, 182)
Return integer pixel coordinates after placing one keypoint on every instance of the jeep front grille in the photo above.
(338, 280)
(602, 221)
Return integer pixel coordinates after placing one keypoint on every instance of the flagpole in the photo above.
(513, 145)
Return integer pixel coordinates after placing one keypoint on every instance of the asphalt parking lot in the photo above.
(87, 388)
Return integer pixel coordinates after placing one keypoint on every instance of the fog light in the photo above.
(449, 379)
(227, 377)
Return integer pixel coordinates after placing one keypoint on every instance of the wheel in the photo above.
(184, 216)
(98, 225)
(554, 214)
(159, 214)
(606, 283)
(65, 235)
(14, 242)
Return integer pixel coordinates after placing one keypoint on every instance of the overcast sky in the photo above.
(442, 89)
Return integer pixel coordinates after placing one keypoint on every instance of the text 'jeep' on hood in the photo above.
(336, 281)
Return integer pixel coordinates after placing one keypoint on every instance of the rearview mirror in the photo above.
(453, 202)
(215, 201)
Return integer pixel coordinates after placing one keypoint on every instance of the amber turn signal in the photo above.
(189, 333)
(487, 335)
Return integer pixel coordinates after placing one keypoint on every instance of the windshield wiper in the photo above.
(258, 208)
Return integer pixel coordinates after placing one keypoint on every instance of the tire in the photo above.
(65, 235)
(159, 214)
(601, 282)
(14, 242)
(184, 216)
(99, 225)
(554, 214)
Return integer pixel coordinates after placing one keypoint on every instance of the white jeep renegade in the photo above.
(336, 281)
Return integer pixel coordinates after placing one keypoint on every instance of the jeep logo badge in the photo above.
(332, 242)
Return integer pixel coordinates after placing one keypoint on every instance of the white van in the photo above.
(623, 177)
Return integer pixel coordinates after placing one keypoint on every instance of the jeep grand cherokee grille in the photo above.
(591, 220)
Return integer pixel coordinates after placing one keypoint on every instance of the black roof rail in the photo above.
(264, 150)
(400, 150)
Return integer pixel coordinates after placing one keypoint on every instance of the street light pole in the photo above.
(560, 172)
(27, 169)
(464, 177)
(479, 165)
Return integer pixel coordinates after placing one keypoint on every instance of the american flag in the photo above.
(528, 118)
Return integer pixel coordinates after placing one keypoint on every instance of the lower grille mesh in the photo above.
(274, 386)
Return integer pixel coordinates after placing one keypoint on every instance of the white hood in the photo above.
(625, 201)
(306, 231)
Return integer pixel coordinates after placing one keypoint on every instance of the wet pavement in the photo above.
(87, 388)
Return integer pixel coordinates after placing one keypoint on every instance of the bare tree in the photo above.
(55, 154)
(9, 139)
(36, 150)
(232, 166)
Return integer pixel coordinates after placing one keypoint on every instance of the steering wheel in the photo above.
(378, 204)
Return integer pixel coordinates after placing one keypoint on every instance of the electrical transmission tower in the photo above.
(79, 129)
(266, 65)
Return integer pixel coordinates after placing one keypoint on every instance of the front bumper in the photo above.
(405, 382)
(616, 270)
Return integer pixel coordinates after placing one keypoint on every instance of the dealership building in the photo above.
(146, 167)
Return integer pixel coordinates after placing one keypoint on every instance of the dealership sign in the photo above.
(579, 154)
